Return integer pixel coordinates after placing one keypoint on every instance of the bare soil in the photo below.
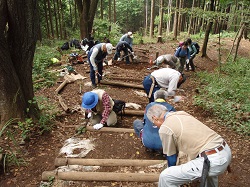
(41, 151)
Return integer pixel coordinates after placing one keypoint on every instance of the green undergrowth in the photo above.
(226, 94)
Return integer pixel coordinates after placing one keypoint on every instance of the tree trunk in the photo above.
(208, 29)
(146, 17)
(238, 40)
(110, 10)
(101, 9)
(114, 11)
(87, 11)
(50, 20)
(169, 17)
(191, 19)
(161, 18)
(176, 19)
(56, 19)
(59, 16)
(46, 18)
(152, 18)
(17, 48)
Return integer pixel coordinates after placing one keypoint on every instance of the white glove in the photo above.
(177, 99)
(132, 53)
(98, 126)
(187, 61)
(89, 115)
(119, 59)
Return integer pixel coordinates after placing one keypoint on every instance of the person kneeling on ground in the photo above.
(99, 107)
(208, 152)
(145, 129)
(167, 78)
(168, 59)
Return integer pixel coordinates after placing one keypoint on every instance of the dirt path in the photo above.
(41, 151)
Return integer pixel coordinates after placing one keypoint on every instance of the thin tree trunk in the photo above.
(110, 10)
(50, 19)
(169, 17)
(175, 29)
(191, 19)
(161, 18)
(152, 19)
(238, 40)
(46, 19)
(101, 8)
(209, 27)
(59, 17)
(114, 11)
(56, 19)
(146, 17)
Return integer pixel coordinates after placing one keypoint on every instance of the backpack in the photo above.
(65, 46)
(196, 45)
(119, 107)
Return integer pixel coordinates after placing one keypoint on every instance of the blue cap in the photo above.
(89, 100)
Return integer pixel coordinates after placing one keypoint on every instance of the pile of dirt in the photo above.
(42, 151)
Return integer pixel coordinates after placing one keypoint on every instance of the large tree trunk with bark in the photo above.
(17, 47)
(87, 10)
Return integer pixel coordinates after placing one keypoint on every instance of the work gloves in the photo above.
(133, 53)
(98, 126)
(89, 115)
(187, 61)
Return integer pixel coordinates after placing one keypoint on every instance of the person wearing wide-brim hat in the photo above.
(99, 107)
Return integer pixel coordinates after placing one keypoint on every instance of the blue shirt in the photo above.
(150, 135)
(182, 53)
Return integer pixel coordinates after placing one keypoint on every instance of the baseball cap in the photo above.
(109, 48)
(130, 34)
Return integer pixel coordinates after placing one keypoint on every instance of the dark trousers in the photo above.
(118, 53)
(92, 72)
(147, 82)
(191, 62)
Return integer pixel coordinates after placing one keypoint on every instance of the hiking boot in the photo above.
(94, 86)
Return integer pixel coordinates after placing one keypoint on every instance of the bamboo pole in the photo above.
(102, 176)
(106, 162)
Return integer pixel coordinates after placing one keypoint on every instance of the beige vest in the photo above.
(99, 106)
(190, 135)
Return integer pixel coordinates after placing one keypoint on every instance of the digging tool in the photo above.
(134, 57)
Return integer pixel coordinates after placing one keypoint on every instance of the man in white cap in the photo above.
(99, 107)
(96, 55)
(128, 37)
(168, 59)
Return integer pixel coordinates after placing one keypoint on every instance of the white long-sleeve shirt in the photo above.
(167, 78)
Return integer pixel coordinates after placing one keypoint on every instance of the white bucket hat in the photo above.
(109, 48)
(130, 34)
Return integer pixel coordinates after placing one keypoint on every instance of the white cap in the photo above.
(159, 60)
(130, 34)
(109, 48)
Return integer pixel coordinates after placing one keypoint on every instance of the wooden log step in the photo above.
(121, 84)
(101, 176)
(106, 162)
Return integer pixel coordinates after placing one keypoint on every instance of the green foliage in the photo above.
(26, 127)
(226, 94)
(102, 28)
(45, 51)
(10, 154)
